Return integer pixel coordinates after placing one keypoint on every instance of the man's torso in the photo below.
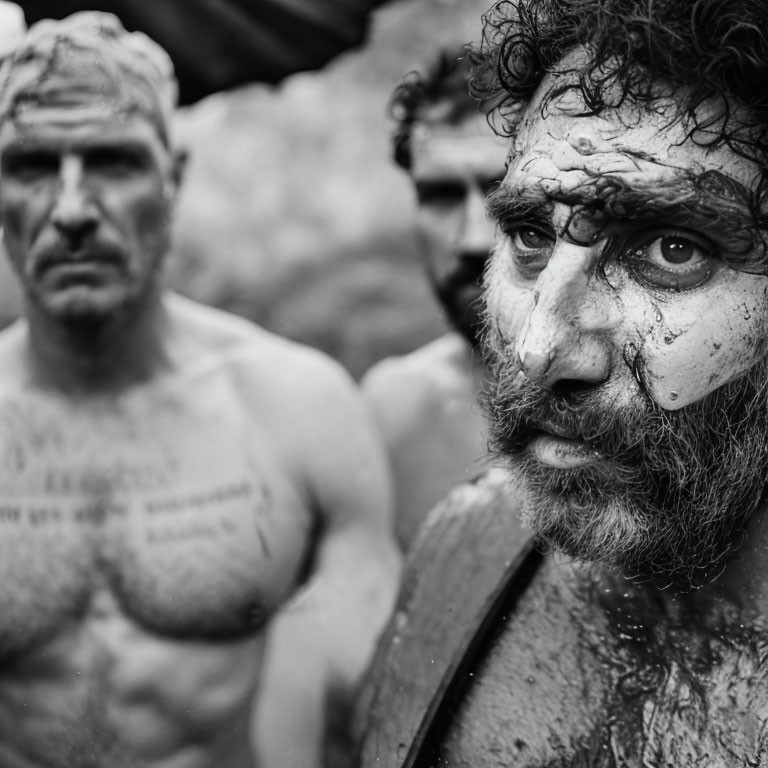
(144, 540)
(590, 670)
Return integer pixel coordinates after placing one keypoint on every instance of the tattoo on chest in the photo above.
(119, 478)
(213, 510)
(211, 513)
(156, 482)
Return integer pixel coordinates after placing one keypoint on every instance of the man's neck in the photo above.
(744, 580)
(737, 595)
(99, 355)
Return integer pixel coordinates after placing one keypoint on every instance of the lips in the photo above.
(559, 448)
(76, 262)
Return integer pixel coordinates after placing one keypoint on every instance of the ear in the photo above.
(179, 157)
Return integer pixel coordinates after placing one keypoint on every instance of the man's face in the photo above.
(86, 200)
(453, 167)
(628, 352)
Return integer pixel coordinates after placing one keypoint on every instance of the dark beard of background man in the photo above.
(451, 293)
(670, 499)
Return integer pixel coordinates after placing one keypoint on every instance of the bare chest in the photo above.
(183, 515)
(575, 684)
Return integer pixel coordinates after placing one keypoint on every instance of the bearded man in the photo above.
(627, 324)
(426, 403)
(170, 476)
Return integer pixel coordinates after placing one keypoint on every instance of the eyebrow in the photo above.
(504, 204)
(711, 202)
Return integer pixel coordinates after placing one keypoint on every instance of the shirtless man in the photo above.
(426, 403)
(169, 475)
(628, 312)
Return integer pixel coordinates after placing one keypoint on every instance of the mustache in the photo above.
(627, 434)
(523, 408)
(62, 253)
(673, 497)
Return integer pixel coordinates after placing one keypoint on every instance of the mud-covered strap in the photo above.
(466, 564)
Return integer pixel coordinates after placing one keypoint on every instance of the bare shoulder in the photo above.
(417, 386)
(202, 329)
(439, 365)
(253, 355)
(304, 401)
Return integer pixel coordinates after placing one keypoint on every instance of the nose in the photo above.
(74, 213)
(565, 344)
(477, 233)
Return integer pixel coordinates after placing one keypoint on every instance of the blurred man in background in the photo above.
(425, 402)
(170, 476)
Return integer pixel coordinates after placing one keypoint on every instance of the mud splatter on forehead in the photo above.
(632, 164)
(88, 61)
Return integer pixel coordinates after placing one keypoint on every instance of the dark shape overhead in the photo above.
(219, 44)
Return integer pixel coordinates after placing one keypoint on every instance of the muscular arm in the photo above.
(321, 643)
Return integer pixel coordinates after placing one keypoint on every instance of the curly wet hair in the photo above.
(713, 51)
(445, 82)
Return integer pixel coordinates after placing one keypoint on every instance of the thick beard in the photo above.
(464, 314)
(670, 500)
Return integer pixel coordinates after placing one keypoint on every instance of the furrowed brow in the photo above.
(505, 204)
(712, 203)
(710, 191)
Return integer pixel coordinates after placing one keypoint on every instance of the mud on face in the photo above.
(674, 489)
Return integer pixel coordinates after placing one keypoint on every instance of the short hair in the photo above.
(445, 82)
(700, 50)
(93, 53)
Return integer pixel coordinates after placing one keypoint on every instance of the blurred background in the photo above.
(293, 214)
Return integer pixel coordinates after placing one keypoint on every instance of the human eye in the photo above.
(440, 193)
(673, 259)
(530, 245)
(114, 161)
(30, 165)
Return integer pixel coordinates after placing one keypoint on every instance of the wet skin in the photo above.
(591, 671)
(624, 266)
(653, 309)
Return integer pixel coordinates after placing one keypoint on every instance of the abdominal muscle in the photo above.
(107, 694)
